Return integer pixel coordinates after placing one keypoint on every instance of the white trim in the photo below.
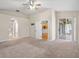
(75, 28)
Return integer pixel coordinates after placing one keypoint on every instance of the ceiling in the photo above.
(59, 5)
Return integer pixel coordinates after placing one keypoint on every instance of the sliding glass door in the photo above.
(66, 28)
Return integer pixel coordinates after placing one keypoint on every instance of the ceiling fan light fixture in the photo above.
(31, 7)
(32, 4)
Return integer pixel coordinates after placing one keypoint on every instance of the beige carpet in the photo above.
(32, 48)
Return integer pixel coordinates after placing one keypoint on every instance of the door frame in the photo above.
(74, 24)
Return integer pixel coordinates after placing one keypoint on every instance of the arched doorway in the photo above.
(13, 28)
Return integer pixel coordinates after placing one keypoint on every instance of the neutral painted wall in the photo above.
(78, 27)
(4, 26)
(32, 29)
(4, 20)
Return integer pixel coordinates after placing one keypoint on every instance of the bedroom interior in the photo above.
(39, 29)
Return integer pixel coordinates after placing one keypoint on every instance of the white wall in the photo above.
(78, 26)
(4, 20)
(53, 21)
(32, 29)
(4, 26)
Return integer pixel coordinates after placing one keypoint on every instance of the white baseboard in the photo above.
(13, 38)
(3, 40)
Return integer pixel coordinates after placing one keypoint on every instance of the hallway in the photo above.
(29, 47)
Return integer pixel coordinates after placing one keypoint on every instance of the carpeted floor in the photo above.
(32, 48)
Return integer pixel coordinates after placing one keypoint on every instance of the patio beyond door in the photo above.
(66, 29)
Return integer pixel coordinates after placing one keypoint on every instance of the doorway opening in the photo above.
(45, 30)
(66, 29)
(13, 28)
(42, 30)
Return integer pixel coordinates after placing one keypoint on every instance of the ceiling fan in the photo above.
(32, 4)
